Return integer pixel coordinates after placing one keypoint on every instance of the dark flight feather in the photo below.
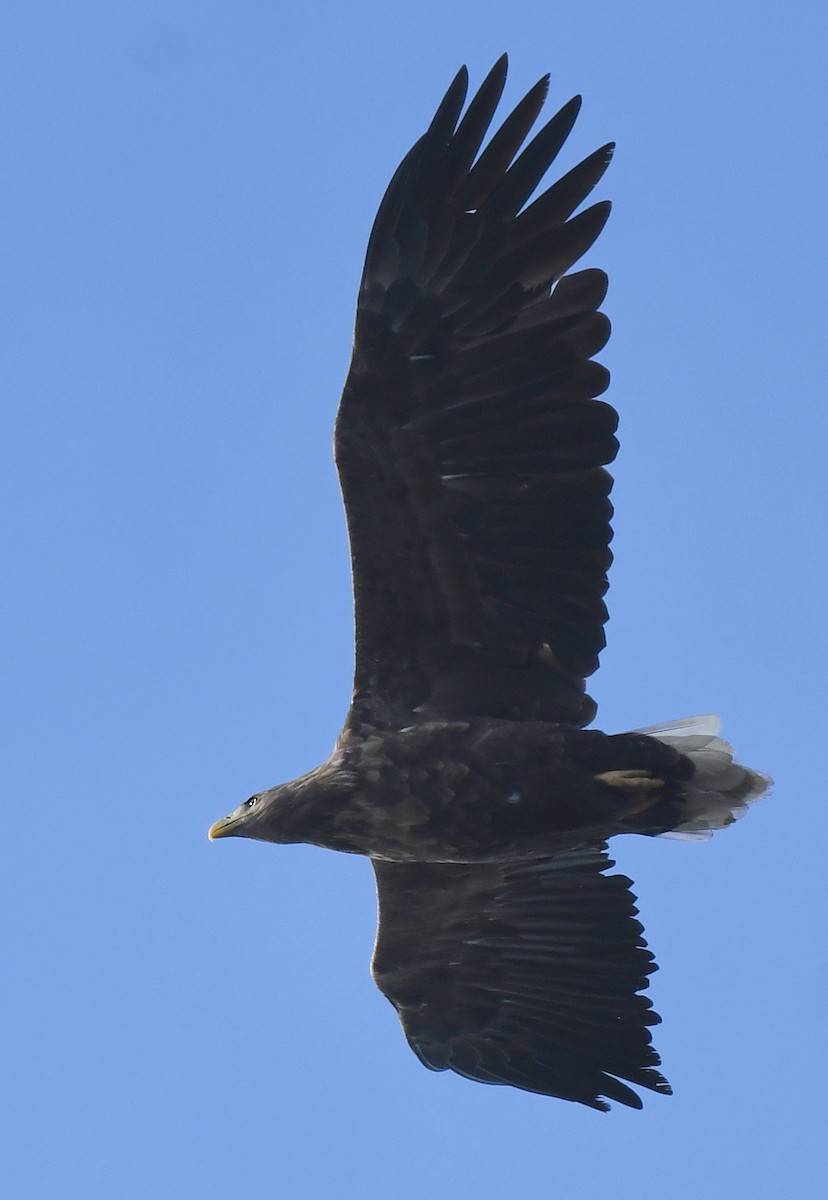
(524, 974)
(465, 368)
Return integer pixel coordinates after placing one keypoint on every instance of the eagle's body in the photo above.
(480, 790)
(471, 449)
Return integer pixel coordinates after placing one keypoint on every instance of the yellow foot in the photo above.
(631, 781)
(643, 786)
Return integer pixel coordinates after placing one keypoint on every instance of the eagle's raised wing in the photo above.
(469, 442)
(525, 974)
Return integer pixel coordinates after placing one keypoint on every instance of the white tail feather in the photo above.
(721, 789)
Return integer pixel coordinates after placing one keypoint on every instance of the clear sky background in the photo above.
(186, 194)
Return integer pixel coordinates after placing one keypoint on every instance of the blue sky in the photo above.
(187, 191)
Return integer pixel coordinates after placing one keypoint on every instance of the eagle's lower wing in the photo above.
(469, 442)
(524, 974)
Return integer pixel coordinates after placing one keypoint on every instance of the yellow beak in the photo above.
(221, 828)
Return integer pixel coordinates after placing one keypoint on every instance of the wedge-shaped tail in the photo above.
(721, 789)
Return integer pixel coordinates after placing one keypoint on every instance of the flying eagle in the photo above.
(472, 449)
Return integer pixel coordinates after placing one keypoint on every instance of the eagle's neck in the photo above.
(306, 809)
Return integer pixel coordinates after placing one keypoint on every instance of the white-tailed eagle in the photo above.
(472, 451)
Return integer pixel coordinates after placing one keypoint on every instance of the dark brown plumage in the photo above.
(471, 447)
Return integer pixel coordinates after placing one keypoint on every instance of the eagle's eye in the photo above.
(249, 803)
